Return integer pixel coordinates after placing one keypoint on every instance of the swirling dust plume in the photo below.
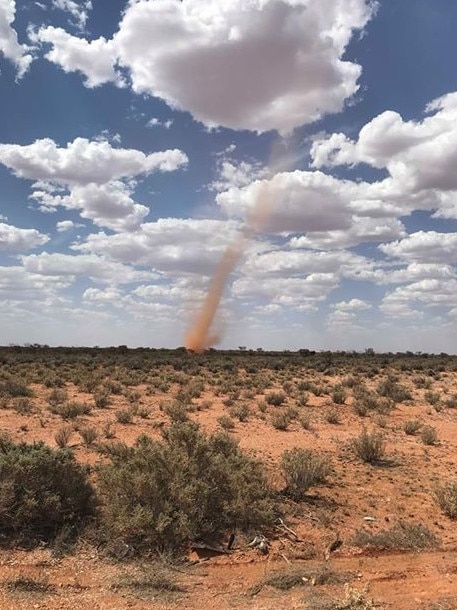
(200, 336)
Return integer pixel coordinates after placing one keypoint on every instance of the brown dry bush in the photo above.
(369, 446)
(403, 536)
(446, 498)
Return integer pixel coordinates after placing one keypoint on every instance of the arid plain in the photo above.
(358, 451)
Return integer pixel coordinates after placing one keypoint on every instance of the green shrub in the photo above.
(339, 395)
(13, 389)
(332, 416)
(161, 494)
(403, 536)
(303, 468)
(432, 398)
(42, 490)
(241, 411)
(412, 426)
(369, 447)
(389, 388)
(23, 405)
(57, 396)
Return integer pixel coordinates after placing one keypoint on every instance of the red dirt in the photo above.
(398, 491)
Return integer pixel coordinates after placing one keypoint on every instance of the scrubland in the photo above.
(245, 479)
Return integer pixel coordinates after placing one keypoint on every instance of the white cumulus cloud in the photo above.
(9, 44)
(92, 177)
(14, 239)
(257, 64)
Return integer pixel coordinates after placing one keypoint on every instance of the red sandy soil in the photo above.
(399, 491)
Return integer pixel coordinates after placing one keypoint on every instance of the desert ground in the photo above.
(377, 529)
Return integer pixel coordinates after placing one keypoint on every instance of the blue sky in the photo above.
(137, 138)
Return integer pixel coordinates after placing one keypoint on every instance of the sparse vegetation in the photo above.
(170, 491)
(302, 469)
(446, 497)
(369, 446)
(403, 536)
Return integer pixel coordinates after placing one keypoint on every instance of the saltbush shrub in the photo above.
(42, 490)
(159, 495)
(303, 468)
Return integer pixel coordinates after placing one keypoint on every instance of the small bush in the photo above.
(280, 420)
(446, 498)
(226, 422)
(429, 435)
(403, 536)
(71, 410)
(305, 421)
(63, 435)
(276, 399)
(41, 491)
(241, 411)
(89, 435)
(412, 426)
(13, 389)
(102, 399)
(339, 395)
(23, 406)
(57, 396)
(303, 468)
(369, 447)
(451, 403)
(177, 411)
(124, 416)
(432, 398)
(332, 416)
(390, 388)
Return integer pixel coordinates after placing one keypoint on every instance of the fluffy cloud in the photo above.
(96, 268)
(9, 45)
(258, 65)
(303, 262)
(419, 155)
(428, 292)
(64, 225)
(78, 10)
(424, 247)
(13, 239)
(17, 284)
(351, 306)
(89, 176)
(84, 161)
(292, 202)
(170, 245)
(95, 59)
(300, 293)
(107, 205)
(362, 230)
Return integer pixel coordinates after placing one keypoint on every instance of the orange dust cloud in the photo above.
(199, 337)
